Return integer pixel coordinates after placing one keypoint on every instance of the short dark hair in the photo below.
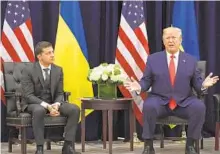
(40, 46)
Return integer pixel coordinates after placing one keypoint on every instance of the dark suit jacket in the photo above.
(33, 82)
(156, 75)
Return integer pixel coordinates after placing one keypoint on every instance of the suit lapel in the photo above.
(180, 67)
(53, 79)
(166, 69)
(39, 73)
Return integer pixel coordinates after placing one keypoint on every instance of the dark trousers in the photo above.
(38, 112)
(194, 112)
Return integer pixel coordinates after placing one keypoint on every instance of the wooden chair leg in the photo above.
(10, 140)
(202, 143)
(23, 140)
(161, 137)
(197, 146)
(217, 133)
(48, 145)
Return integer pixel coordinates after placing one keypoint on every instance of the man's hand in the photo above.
(53, 112)
(132, 85)
(56, 106)
(210, 81)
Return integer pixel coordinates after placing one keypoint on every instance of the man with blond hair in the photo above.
(172, 75)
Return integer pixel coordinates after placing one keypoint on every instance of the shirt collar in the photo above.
(176, 55)
(43, 67)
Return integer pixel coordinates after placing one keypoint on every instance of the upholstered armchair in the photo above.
(15, 117)
(217, 125)
(179, 121)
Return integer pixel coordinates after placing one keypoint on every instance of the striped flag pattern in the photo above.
(132, 49)
(16, 39)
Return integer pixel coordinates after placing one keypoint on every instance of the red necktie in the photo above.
(172, 103)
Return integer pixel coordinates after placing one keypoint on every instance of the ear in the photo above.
(39, 56)
(181, 40)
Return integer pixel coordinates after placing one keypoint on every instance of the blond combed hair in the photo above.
(178, 30)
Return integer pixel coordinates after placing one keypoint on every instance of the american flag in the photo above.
(16, 41)
(132, 48)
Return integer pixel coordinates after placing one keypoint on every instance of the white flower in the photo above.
(110, 67)
(104, 73)
(104, 77)
(94, 76)
(115, 78)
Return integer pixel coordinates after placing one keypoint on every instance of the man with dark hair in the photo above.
(172, 75)
(41, 45)
(43, 92)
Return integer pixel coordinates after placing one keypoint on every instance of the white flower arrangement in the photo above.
(107, 73)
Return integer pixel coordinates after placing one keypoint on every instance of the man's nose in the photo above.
(170, 39)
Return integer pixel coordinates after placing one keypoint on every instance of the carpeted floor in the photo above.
(119, 147)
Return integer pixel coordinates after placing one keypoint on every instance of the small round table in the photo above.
(107, 106)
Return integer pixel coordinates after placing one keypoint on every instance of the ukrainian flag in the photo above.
(184, 17)
(71, 52)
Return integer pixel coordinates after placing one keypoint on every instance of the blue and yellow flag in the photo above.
(71, 52)
(184, 17)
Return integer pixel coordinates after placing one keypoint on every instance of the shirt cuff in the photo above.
(44, 104)
(203, 89)
(138, 92)
(58, 103)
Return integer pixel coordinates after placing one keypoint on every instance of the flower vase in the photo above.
(107, 91)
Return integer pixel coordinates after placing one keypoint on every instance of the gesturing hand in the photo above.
(210, 81)
(132, 85)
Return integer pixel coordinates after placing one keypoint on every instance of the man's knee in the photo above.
(148, 106)
(73, 109)
(199, 108)
(39, 111)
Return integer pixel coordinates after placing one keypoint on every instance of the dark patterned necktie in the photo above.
(47, 77)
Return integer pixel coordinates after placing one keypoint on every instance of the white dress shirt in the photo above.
(176, 59)
(43, 72)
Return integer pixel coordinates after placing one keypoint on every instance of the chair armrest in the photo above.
(18, 102)
(17, 96)
(216, 98)
(66, 96)
(9, 94)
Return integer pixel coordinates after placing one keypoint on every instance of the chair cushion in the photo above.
(25, 119)
(172, 120)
